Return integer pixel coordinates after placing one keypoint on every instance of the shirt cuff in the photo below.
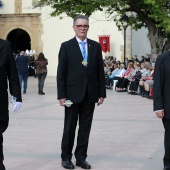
(159, 110)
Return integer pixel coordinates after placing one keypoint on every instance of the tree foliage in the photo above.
(153, 14)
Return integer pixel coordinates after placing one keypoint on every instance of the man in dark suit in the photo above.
(8, 74)
(162, 99)
(80, 78)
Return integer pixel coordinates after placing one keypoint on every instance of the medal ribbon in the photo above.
(83, 51)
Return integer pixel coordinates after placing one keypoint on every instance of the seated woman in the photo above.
(145, 73)
(125, 79)
(135, 79)
(109, 78)
(117, 75)
(148, 83)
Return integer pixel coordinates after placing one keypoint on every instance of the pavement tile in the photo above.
(125, 135)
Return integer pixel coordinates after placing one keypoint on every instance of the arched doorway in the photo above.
(20, 40)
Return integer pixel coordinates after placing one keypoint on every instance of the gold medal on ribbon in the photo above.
(84, 62)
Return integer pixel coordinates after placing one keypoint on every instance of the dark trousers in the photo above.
(134, 85)
(166, 159)
(106, 77)
(1, 148)
(4, 119)
(110, 80)
(119, 82)
(84, 113)
(32, 69)
(122, 83)
(41, 79)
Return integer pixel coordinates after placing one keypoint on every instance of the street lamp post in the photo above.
(124, 22)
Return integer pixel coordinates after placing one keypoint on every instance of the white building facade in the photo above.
(45, 33)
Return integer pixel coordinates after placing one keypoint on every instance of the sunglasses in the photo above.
(82, 27)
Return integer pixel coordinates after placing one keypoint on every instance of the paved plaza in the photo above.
(125, 135)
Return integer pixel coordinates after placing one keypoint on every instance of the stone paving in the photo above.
(125, 135)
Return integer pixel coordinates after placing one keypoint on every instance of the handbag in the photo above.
(138, 75)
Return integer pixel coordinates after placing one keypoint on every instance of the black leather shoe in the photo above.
(2, 167)
(83, 164)
(67, 164)
(41, 92)
(149, 97)
(166, 168)
(133, 93)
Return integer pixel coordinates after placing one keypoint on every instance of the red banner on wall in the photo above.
(104, 41)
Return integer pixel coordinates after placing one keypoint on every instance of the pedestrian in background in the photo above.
(35, 66)
(41, 64)
(23, 71)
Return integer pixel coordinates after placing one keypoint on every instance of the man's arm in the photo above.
(158, 87)
(61, 72)
(101, 77)
(12, 73)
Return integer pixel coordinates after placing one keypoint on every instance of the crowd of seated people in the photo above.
(110, 75)
(123, 82)
(109, 65)
(140, 74)
(116, 75)
(144, 81)
(136, 79)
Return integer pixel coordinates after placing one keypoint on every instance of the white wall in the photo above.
(8, 7)
(106, 28)
(140, 42)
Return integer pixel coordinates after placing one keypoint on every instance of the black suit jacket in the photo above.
(73, 78)
(8, 75)
(162, 84)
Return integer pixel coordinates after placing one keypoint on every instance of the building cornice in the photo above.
(20, 15)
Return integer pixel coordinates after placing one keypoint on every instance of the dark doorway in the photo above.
(20, 40)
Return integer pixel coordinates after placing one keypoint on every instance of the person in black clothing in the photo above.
(142, 59)
(80, 78)
(35, 66)
(8, 75)
(161, 100)
(136, 58)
